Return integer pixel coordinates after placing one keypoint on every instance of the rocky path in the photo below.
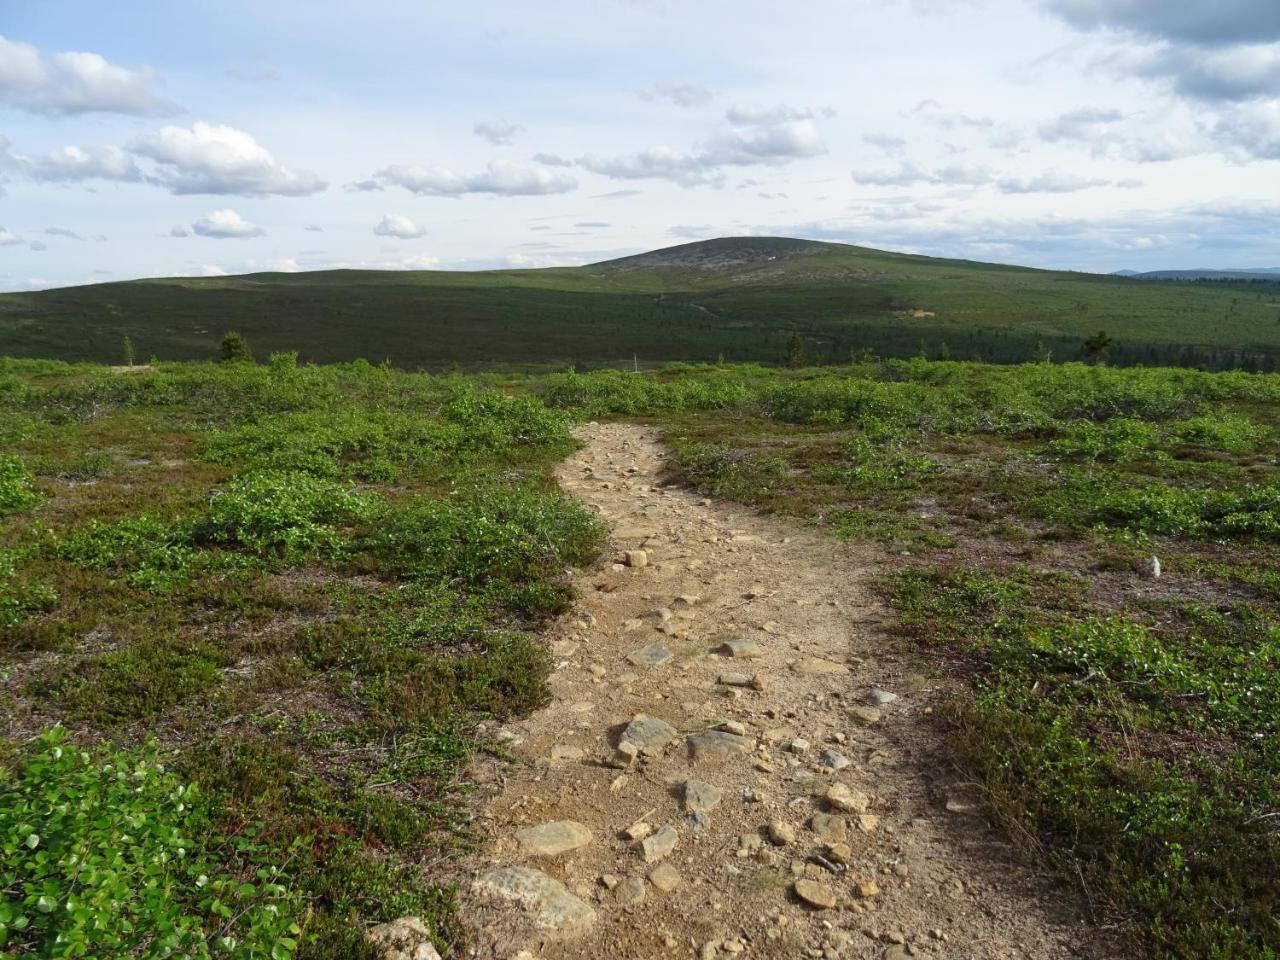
(733, 763)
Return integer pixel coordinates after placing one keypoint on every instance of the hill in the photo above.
(743, 298)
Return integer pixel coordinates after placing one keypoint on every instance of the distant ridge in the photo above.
(1260, 273)
(740, 298)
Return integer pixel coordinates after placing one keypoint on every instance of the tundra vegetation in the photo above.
(265, 608)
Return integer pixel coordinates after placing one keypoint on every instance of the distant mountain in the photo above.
(743, 298)
(1258, 273)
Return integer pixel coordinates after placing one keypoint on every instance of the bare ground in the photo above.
(924, 874)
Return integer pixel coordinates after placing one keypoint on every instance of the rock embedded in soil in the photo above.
(648, 735)
(833, 760)
(553, 839)
(404, 939)
(848, 800)
(550, 906)
(631, 892)
(817, 667)
(830, 827)
(700, 796)
(881, 698)
(741, 649)
(665, 877)
(781, 833)
(654, 655)
(815, 894)
(715, 744)
(636, 558)
(654, 848)
(867, 716)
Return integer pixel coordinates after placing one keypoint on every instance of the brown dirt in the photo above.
(949, 886)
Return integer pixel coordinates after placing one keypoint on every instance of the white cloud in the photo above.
(1052, 182)
(77, 163)
(62, 232)
(497, 132)
(71, 83)
(552, 160)
(743, 114)
(767, 143)
(1251, 130)
(1083, 124)
(500, 177)
(212, 270)
(400, 227)
(681, 94)
(8, 238)
(221, 160)
(225, 224)
(908, 174)
(179, 232)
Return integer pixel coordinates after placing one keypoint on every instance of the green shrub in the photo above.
(282, 513)
(1230, 433)
(106, 854)
(17, 490)
(496, 534)
(20, 596)
(1115, 440)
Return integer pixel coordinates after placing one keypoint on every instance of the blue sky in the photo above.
(146, 139)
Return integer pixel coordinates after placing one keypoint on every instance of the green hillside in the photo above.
(743, 298)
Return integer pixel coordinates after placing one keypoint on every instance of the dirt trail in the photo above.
(897, 862)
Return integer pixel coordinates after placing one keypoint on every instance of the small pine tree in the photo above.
(922, 351)
(1098, 347)
(129, 356)
(795, 352)
(234, 349)
(1042, 353)
(944, 351)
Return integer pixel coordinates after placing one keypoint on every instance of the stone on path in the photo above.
(781, 833)
(830, 827)
(734, 679)
(636, 558)
(867, 716)
(665, 877)
(833, 760)
(817, 667)
(648, 735)
(815, 894)
(654, 655)
(657, 846)
(741, 649)
(631, 891)
(553, 839)
(847, 800)
(549, 904)
(880, 698)
(403, 939)
(699, 795)
(716, 743)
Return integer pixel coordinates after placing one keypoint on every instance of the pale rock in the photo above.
(654, 655)
(631, 891)
(659, 845)
(781, 833)
(665, 877)
(833, 760)
(881, 698)
(713, 744)
(548, 903)
(815, 894)
(867, 716)
(741, 649)
(829, 827)
(636, 558)
(553, 839)
(848, 800)
(817, 667)
(404, 939)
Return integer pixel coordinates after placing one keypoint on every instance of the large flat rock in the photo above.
(547, 902)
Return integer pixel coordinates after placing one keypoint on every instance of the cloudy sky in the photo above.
(146, 139)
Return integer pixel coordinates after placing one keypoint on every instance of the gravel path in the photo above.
(736, 762)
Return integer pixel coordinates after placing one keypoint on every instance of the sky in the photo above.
(227, 136)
